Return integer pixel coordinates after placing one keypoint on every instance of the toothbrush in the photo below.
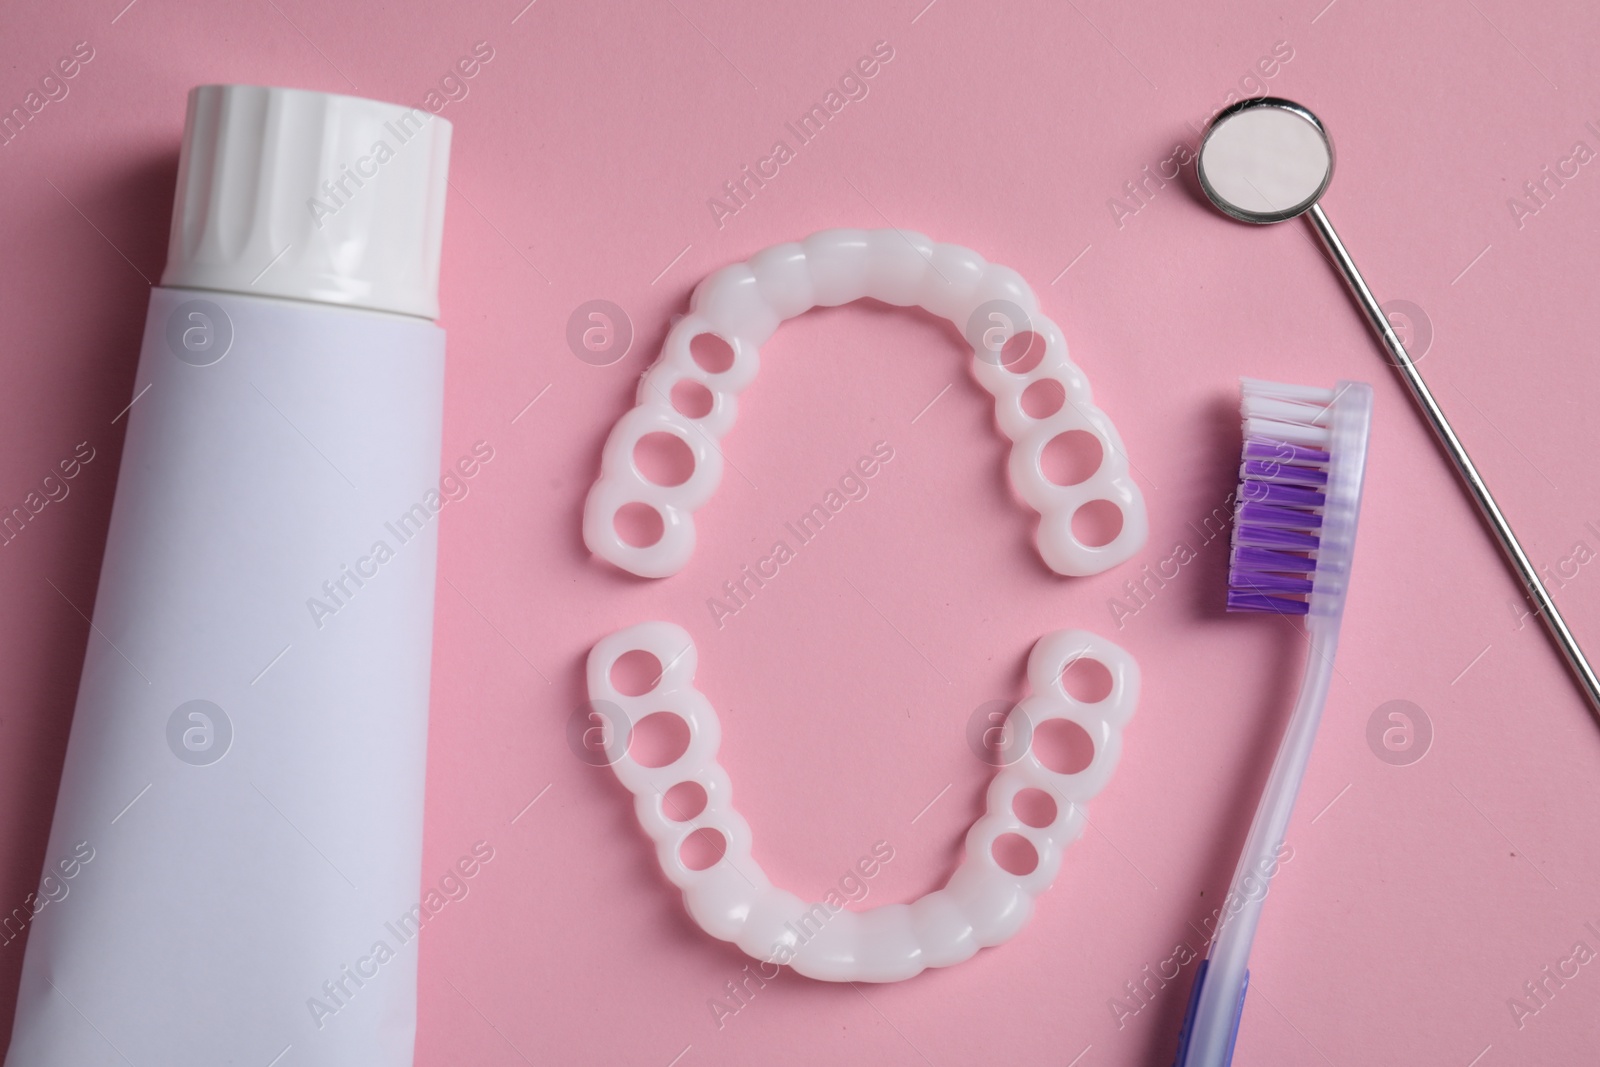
(1294, 530)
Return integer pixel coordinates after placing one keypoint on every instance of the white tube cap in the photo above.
(311, 196)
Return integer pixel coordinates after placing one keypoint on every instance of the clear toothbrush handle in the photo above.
(1213, 1017)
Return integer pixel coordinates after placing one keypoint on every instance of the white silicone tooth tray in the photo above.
(743, 304)
(732, 899)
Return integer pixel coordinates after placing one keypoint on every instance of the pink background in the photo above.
(1414, 906)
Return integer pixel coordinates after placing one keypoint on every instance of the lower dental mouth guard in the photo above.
(983, 904)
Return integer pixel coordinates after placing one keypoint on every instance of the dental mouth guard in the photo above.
(743, 304)
(983, 904)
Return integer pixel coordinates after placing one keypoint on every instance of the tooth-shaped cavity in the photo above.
(897, 264)
(942, 929)
(954, 276)
(722, 898)
(983, 904)
(784, 278)
(730, 301)
(838, 263)
(1038, 395)
(991, 899)
(667, 555)
(1003, 283)
(770, 933)
(828, 948)
(887, 949)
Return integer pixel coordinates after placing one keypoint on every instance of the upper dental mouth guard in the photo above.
(983, 904)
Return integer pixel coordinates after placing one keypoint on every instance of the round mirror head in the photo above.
(1264, 160)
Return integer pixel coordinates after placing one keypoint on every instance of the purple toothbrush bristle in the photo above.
(1274, 584)
(1266, 559)
(1277, 510)
(1274, 537)
(1268, 515)
(1289, 496)
(1238, 601)
(1271, 470)
(1258, 446)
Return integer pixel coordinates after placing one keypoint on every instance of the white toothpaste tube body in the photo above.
(239, 824)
